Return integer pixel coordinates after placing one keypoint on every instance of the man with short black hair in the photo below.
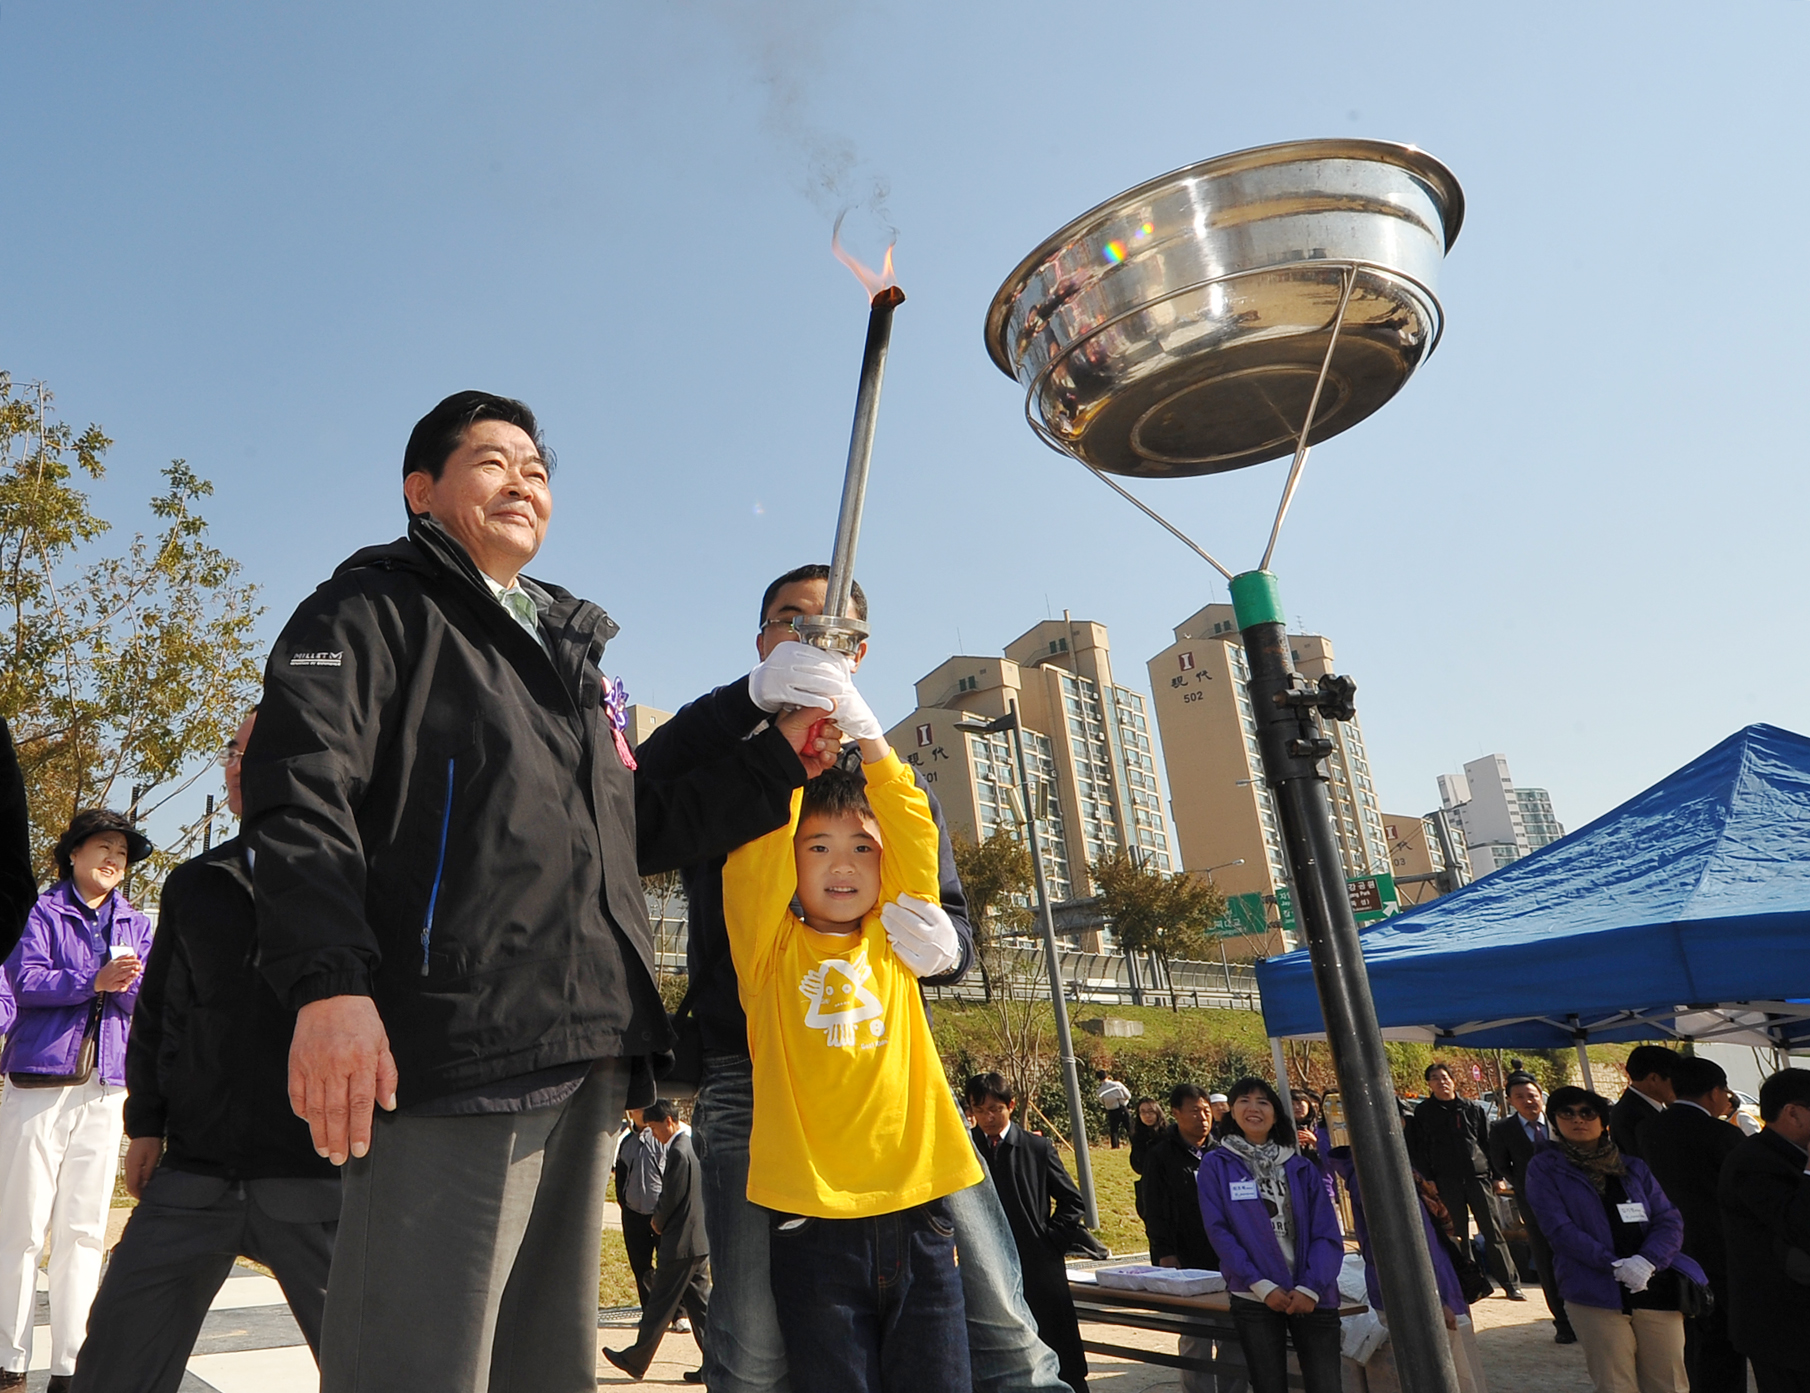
(449, 832)
(1649, 1090)
(1172, 1220)
(639, 1161)
(1685, 1147)
(1448, 1142)
(1765, 1199)
(746, 1354)
(1115, 1100)
(1046, 1213)
(1512, 1143)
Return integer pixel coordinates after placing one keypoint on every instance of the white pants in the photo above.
(59, 1153)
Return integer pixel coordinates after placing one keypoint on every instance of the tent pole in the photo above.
(1579, 1034)
(1280, 1060)
(1295, 747)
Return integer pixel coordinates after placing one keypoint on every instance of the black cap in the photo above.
(94, 822)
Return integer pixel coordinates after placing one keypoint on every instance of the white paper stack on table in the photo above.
(1167, 1281)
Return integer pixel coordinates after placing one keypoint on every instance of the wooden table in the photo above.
(1207, 1317)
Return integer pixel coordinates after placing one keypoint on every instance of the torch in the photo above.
(837, 628)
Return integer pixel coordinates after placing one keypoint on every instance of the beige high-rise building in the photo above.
(1221, 806)
(1415, 851)
(1086, 737)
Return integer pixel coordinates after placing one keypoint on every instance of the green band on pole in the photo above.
(1256, 599)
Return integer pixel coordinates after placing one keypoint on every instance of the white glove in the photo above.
(797, 674)
(853, 716)
(1633, 1273)
(922, 936)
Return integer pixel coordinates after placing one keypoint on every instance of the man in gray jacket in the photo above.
(682, 1277)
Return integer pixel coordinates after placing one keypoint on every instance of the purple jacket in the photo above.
(9, 1010)
(1570, 1213)
(1451, 1293)
(52, 975)
(1241, 1234)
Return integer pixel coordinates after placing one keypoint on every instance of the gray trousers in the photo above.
(469, 1250)
(177, 1249)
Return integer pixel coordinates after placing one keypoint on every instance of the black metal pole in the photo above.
(1294, 748)
(1052, 958)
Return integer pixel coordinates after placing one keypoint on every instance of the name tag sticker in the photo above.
(1247, 1190)
(1633, 1213)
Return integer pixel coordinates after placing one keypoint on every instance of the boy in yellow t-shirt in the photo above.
(856, 1140)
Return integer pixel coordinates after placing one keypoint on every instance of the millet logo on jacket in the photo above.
(318, 659)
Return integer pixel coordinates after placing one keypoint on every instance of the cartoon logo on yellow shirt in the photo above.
(841, 999)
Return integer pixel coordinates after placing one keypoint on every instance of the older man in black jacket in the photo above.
(219, 1164)
(1765, 1199)
(1448, 1141)
(18, 883)
(1685, 1147)
(449, 832)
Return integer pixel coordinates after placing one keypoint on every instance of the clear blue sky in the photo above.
(267, 238)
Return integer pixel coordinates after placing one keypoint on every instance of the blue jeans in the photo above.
(871, 1305)
(745, 1351)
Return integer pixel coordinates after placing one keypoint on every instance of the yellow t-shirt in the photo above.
(852, 1113)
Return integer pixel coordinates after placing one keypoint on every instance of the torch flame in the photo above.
(873, 282)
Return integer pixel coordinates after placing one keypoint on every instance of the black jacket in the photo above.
(1172, 1219)
(1765, 1199)
(1685, 1147)
(442, 821)
(711, 728)
(18, 885)
(1449, 1140)
(1629, 1118)
(207, 1066)
(1043, 1206)
(680, 1213)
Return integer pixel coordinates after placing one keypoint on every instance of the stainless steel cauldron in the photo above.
(1180, 328)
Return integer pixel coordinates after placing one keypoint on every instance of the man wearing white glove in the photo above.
(746, 1354)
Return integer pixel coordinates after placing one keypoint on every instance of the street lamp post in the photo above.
(1052, 955)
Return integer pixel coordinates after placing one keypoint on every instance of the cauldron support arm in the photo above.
(1157, 517)
(1313, 406)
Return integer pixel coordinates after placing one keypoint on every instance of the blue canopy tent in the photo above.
(1684, 913)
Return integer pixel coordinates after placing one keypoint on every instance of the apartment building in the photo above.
(1500, 822)
(1225, 820)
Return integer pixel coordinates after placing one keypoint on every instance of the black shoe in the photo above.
(1515, 1294)
(1565, 1336)
(694, 1376)
(616, 1356)
(59, 1383)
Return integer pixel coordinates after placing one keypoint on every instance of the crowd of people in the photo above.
(385, 1041)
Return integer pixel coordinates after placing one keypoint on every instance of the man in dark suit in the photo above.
(219, 1163)
(1649, 1091)
(682, 1277)
(1685, 1147)
(1765, 1201)
(1512, 1143)
(1045, 1212)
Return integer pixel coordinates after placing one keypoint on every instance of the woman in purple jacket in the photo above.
(1277, 1236)
(74, 980)
(1615, 1247)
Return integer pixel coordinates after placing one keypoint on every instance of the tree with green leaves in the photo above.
(126, 668)
(1173, 916)
(996, 878)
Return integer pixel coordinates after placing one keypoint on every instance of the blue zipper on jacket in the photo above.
(433, 898)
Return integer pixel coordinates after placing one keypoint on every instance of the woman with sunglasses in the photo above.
(1616, 1242)
(1265, 1209)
